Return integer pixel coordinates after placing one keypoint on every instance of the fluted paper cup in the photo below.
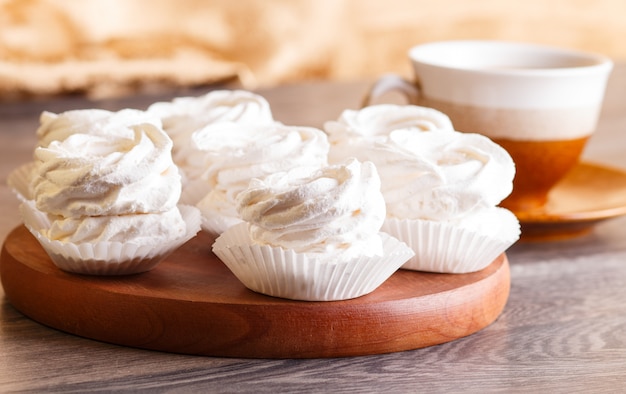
(106, 258)
(283, 273)
(446, 248)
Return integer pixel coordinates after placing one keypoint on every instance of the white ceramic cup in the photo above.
(540, 103)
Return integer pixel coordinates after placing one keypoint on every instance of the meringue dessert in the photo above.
(313, 234)
(441, 187)
(57, 127)
(242, 153)
(103, 193)
(441, 192)
(355, 127)
(214, 113)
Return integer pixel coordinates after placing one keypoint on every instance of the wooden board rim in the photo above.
(192, 304)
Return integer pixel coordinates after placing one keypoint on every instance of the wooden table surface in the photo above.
(563, 329)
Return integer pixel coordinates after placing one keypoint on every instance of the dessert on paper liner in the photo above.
(313, 235)
(441, 186)
(101, 195)
(298, 212)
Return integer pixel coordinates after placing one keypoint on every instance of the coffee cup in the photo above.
(539, 103)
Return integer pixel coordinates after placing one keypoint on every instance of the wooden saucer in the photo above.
(192, 304)
(589, 194)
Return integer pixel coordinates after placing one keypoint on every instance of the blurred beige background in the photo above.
(113, 47)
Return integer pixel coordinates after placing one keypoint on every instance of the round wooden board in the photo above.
(192, 304)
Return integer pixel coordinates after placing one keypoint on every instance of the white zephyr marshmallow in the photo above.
(337, 209)
(218, 110)
(94, 175)
(243, 153)
(372, 123)
(441, 176)
(57, 127)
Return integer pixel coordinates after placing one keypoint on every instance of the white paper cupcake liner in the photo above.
(106, 258)
(445, 248)
(19, 181)
(284, 273)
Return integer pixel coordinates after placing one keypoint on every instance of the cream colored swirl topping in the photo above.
(440, 176)
(57, 127)
(243, 153)
(114, 174)
(145, 229)
(184, 116)
(377, 121)
(336, 209)
(188, 114)
(381, 119)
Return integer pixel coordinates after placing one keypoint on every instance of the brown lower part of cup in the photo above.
(539, 166)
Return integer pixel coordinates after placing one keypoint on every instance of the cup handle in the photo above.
(390, 83)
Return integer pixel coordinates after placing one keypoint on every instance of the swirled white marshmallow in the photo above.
(184, 116)
(242, 153)
(336, 210)
(57, 127)
(114, 174)
(440, 176)
(374, 122)
(143, 229)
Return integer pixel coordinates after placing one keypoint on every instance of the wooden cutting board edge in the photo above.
(395, 317)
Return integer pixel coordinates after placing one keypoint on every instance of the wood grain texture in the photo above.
(191, 303)
(561, 331)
